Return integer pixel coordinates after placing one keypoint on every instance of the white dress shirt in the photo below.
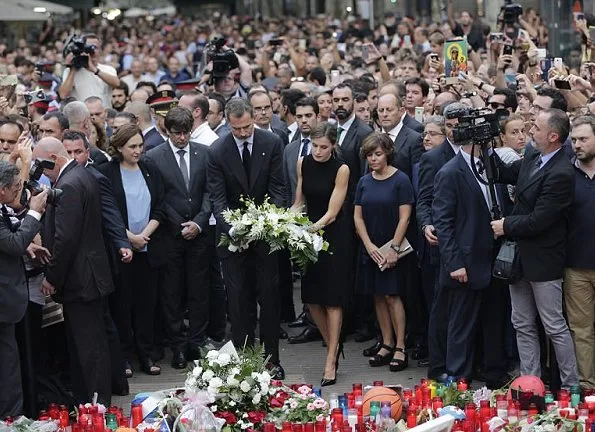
(545, 159)
(269, 129)
(455, 147)
(395, 131)
(240, 144)
(204, 135)
(177, 156)
(345, 126)
(292, 130)
(484, 188)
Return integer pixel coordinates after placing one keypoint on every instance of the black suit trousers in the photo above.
(88, 350)
(11, 396)
(218, 309)
(239, 270)
(136, 299)
(186, 277)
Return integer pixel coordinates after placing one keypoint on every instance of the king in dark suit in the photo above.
(248, 163)
(14, 293)
(544, 191)
(78, 275)
(183, 167)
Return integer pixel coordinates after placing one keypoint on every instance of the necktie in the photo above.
(246, 160)
(538, 164)
(7, 219)
(339, 132)
(305, 147)
(184, 167)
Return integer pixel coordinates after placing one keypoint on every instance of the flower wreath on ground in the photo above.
(244, 395)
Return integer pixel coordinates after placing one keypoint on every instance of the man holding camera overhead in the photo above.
(85, 76)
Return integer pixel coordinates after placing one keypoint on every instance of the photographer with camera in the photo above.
(85, 76)
(228, 72)
(13, 288)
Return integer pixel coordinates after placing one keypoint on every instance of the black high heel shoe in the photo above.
(382, 360)
(397, 365)
(339, 352)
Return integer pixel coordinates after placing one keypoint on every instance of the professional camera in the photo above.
(34, 96)
(33, 183)
(223, 61)
(477, 125)
(511, 13)
(78, 46)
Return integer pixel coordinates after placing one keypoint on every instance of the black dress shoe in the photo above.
(300, 321)
(328, 382)
(309, 334)
(373, 350)
(276, 371)
(423, 363)
(178, 360)
(282, 333)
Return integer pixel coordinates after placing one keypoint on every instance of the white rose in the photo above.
(216, 382)
(191, 381)
(256, 399)
(212, 355)
(223, 359)
(197, 371)
(232, 403)
(318, 242)
(232, 382)
(213, 408)
(264, 389)
(245, 387)
(232, 248)
(207, 375)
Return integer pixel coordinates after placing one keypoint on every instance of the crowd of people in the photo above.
(143, 132)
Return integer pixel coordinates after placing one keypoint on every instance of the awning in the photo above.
(42, 6)
(15, 12)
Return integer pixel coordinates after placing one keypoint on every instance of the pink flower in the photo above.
(293, 404)
(304, 390)
(320, 417)
(319, 403)
(310, 407)
(303, 396)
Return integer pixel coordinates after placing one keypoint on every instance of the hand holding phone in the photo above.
(562, 84)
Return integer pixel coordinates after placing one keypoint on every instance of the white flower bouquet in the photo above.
(280, 228)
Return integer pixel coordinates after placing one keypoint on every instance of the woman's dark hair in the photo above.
(101, 136)
(378, 140)
(325, 130)
(121, 137)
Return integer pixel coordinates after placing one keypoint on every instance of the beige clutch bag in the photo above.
(406, 249)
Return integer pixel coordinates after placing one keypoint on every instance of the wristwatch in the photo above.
(396, 248)
(96, 71)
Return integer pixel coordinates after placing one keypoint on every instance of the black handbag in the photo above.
(507, 265)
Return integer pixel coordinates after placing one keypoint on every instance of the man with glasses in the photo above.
(263, 114)
(434, 132)
(183, 167)
(503, 98)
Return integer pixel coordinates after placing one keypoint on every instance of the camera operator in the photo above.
(13, 288)
(94, 79)
(228, 72)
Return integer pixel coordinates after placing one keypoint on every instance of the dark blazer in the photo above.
(462, 221)
(156, 248)
(227, 181)
(539, 218)
(152, 139)
(277, 123)
(290, 158)
(408, 150)
(411, 123)
(79, 268)
(282, 133)
(97, 156)
(182, 205)
(14, 295)
(349, 153)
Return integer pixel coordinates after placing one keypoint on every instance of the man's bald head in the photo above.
(52, 149)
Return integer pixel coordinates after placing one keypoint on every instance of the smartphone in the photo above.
(545, 65)
(558, 63)
(579, 16)
(508, 49)
(302, 44)
(276, 42)
(562, 84)
(342, 47)
(435, 57)
(407, 40)
(496, 37)
(335, 77)
(591, 32)
(365, 53)
(541, 53)
(419, 114)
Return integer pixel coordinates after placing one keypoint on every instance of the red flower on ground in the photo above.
(228, 416)
(256, 417)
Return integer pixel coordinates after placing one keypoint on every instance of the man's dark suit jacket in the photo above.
(79, 268)
(408, 150)
(156, 248)
(152, 139)
(227, 178)
(290, 158)
(349, 153)
(539, 218)
(97, 156)
(181, 204)
(411, 123)
(14, 294)
(462, 221)
(283, 134)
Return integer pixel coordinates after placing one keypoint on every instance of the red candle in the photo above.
(269, 427)
(462, 385)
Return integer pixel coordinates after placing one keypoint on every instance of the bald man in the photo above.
(78, 275)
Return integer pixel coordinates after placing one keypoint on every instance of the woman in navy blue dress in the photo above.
(383, 205)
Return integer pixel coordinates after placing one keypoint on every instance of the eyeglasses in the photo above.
(432, 134)
(495, 105)
(263, 109)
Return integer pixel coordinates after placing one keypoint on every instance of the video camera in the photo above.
(223, 61)
(511, 12)
(477, 125)
(33, 183)
(78, 46)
